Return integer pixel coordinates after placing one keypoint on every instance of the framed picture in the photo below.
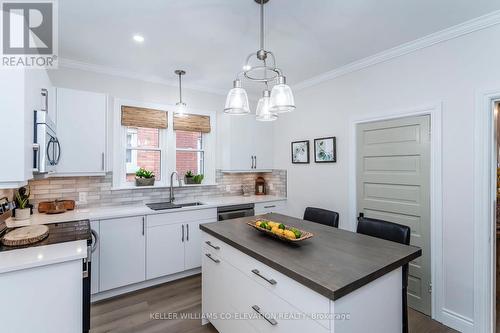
(300, 152)
(325, 150)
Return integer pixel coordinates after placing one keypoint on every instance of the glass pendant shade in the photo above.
(180, 108)
(263, 112)
(237, 100)
(282, 98)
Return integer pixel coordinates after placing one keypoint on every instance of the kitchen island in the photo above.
(337, 281)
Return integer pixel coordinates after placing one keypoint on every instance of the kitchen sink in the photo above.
(171, 205)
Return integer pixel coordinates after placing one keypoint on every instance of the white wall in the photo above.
(451, 72)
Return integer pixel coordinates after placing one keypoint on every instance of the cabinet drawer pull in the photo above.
(209, 256)
(271, 281)
(209, 243)
(269, 320)
(273, 206)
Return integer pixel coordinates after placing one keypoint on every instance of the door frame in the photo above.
(484, 210)
(434, 110)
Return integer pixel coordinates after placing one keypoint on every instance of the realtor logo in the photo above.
(29, 34)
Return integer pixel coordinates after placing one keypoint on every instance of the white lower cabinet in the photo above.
(165, 250)
(122, 252)
(270, 207)
(174, 241)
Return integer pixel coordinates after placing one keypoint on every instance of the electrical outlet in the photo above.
(82, 197)
(228, 188)
(271, 186)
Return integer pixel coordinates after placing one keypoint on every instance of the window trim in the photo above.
(167, 144)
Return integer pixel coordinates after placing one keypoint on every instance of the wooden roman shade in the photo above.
(192, 123)
(143, 117)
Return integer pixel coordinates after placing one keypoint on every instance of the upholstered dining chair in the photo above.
(323, 216)
(391, 232)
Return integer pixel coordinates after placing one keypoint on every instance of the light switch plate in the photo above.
(82, 197)
(228, 188)
(271, 186)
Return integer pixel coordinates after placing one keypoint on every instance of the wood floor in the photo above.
(132, 312)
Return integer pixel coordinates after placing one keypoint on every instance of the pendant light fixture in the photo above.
(180, 106)
(257, 69)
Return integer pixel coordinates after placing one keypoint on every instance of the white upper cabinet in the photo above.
(81, 129)
(246, 144)
(20, 96)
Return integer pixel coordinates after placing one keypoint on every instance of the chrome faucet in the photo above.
(172, 198)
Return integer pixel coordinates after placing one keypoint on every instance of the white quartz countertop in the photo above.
(50, 254)
(109, 212)
(36, 256)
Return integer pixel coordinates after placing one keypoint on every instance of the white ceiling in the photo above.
(211, 38)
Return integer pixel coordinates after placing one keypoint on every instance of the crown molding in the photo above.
(461, 29)
(84, 66)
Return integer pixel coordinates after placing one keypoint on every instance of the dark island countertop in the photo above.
(333, 263)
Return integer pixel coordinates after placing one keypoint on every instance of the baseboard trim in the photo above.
(457, 321)
(141, 285)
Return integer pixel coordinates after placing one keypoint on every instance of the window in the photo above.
(190, 152)
(153, 138)
(143, 150)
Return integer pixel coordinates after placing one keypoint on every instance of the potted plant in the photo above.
(189, 177)
(23, 208)
(144, 177)
(198, 179)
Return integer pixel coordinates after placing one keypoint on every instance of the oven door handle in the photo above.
(96, 240)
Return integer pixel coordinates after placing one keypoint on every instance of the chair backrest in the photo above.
(382, 229)
(323, 216)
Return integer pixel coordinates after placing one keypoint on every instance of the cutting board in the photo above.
(26, 235)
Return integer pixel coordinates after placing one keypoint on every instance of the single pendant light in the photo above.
(263, 108)
(180, 106)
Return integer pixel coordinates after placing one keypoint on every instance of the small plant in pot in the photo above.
(198, 179)
(189, 177)
(23, 208)
(144, 177)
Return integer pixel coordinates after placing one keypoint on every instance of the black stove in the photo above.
(59, 233)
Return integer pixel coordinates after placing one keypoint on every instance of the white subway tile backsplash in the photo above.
(99, 191)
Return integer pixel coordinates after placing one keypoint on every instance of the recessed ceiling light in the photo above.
(138, 38)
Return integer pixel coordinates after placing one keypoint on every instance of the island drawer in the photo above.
(269, 207)
(264, 310)
(305, 299)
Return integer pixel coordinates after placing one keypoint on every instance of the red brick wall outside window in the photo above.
(189, 160)
(189, 154)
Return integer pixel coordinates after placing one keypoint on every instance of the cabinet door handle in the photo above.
(102, 161)
(182, 233)
(209, 243)
(143, 225)
(209, 256)
(269, 320)
(273, 206)
(270, 281)
(187, 234)
(255, 157)
(251, 158)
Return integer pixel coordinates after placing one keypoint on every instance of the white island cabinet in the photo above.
(259, 284)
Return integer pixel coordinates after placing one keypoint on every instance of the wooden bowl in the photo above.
(305, 234)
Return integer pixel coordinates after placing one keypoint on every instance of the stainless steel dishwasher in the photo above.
(235, 211)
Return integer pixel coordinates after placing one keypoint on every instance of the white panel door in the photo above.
(122, 252)
(393, 177)
(165, 250)
(81, 130)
